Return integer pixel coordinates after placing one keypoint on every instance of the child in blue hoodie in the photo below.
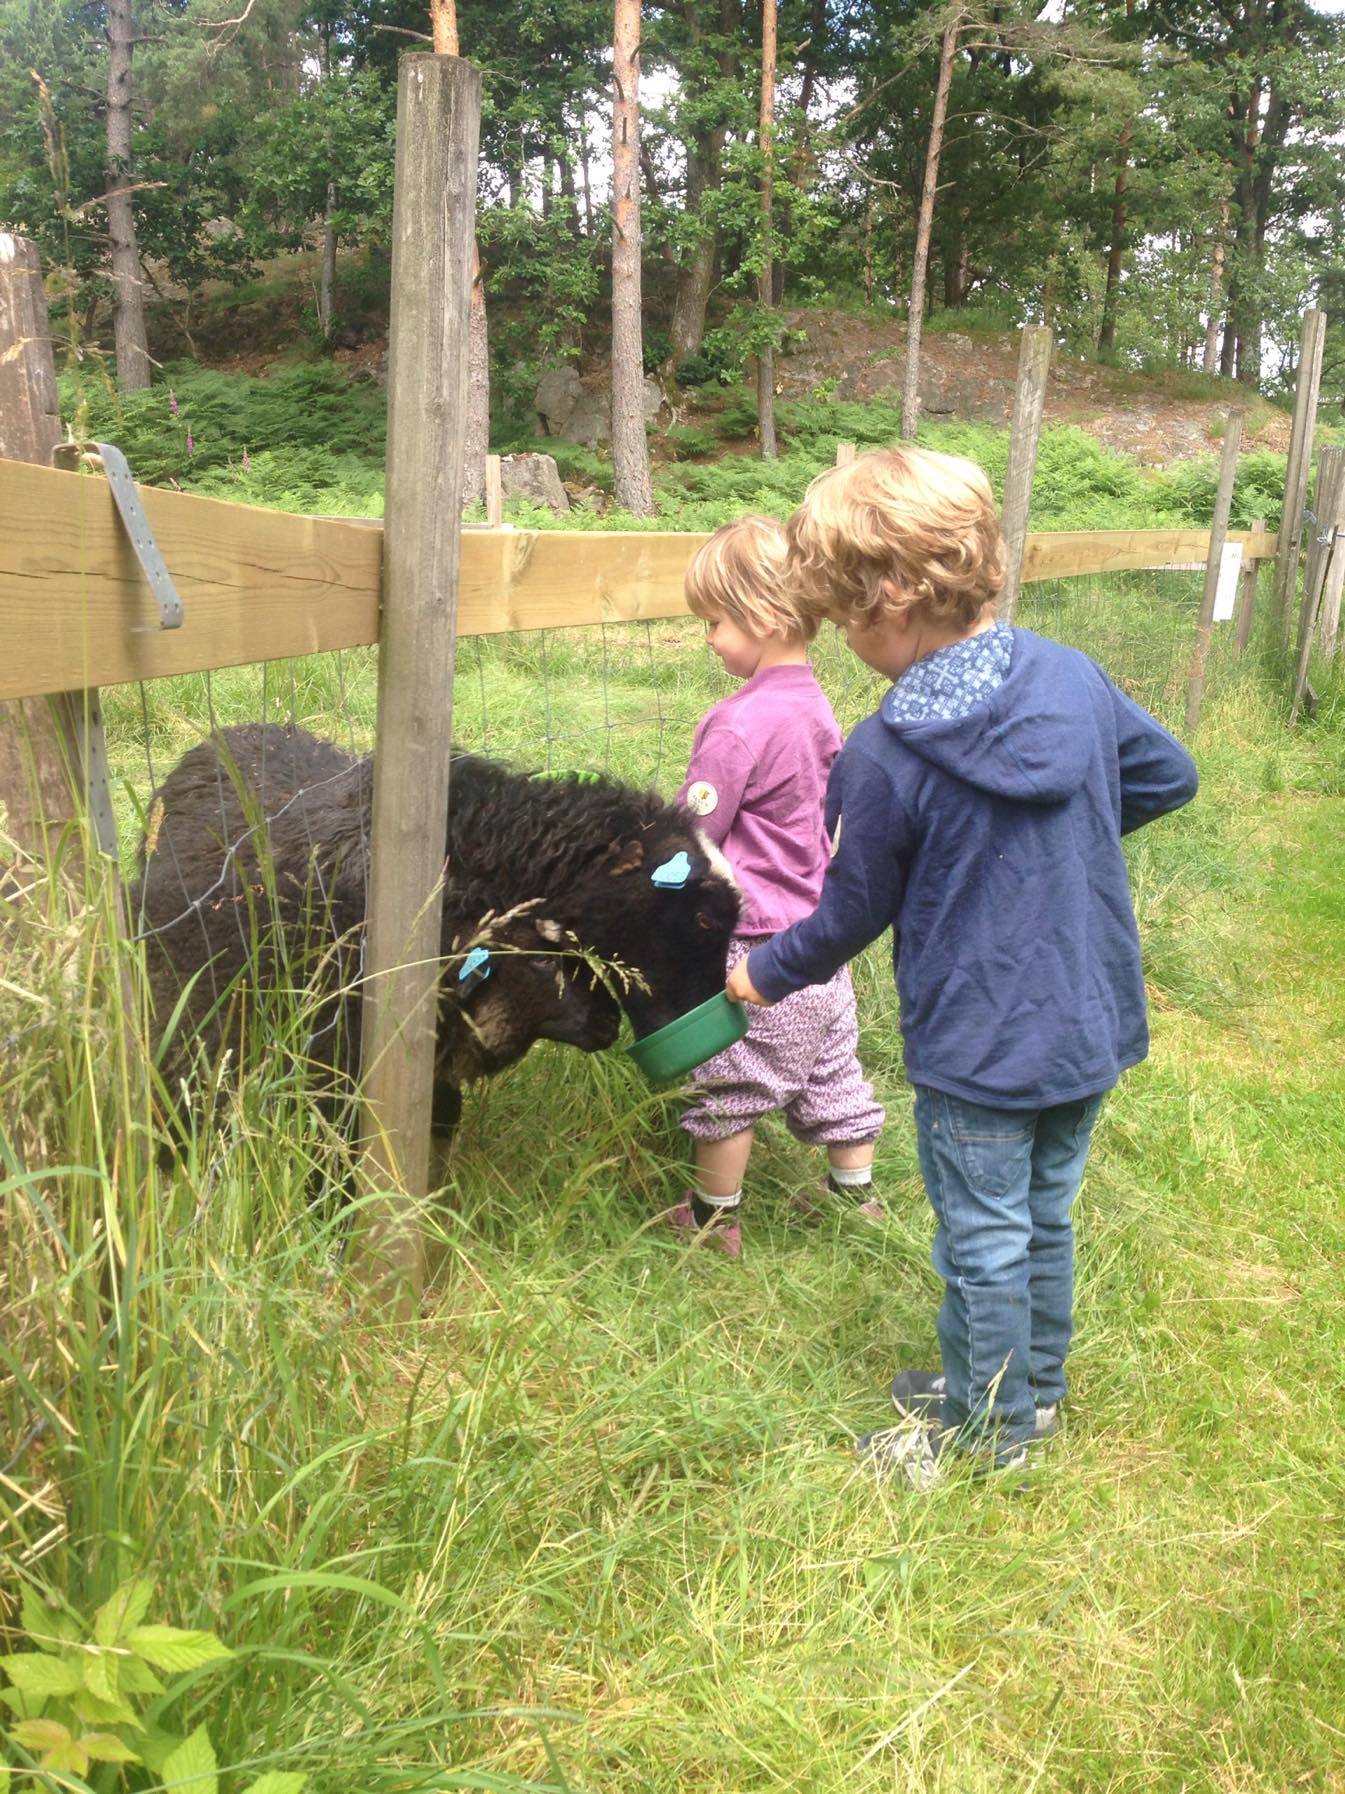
(980, 813)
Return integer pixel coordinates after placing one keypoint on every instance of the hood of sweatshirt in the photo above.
(1030, 740)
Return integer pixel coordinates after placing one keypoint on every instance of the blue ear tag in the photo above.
(475, 969)
(672, 874)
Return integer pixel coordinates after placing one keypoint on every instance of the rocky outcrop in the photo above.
(534, 477)
(581, 410)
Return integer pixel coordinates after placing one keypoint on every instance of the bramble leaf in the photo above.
(100, 1678)
(71, 1755)
(170, 1648)
(94, 1711)
(39, 1675)
(24, 1706)
(106, 1747)
(53, 1745)
(192, 1765)
(156, 1747)
(48, 1627)
(137, 1677)
(123, 1610)
(40, 1734)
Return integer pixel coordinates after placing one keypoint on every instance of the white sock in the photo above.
(851, 1177)
(717, 1201)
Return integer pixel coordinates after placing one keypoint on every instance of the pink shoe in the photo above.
(726, 1236)
(821, 1199)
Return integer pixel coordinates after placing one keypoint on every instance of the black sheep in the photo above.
(253, 875)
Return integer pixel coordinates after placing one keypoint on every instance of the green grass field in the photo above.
(592, 1522)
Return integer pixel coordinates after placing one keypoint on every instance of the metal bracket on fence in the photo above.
(72, 455)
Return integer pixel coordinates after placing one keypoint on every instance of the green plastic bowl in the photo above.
(681, 1046)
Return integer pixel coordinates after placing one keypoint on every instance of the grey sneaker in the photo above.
(918, 1394)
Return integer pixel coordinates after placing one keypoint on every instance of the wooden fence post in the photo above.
(1247, 600)
(37, 782)
(1223, 503)
(1306, 388)
(1034, 362)
(845, 453)
(438, 119)
(1325, 559)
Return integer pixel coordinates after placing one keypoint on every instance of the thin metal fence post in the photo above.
(1034, 363)
(438, 120)
(1223, 503)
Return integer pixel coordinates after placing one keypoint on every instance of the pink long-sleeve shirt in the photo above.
(756, 784)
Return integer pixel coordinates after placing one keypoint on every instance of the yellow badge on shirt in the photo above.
(702, 798)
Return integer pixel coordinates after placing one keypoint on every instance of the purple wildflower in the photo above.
(191, 441)
(247, 464)
(172, 401)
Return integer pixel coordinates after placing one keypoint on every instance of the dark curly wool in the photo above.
(252, 890)
(588, 847)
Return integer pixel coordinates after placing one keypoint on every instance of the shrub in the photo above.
(684, 442)
(192, 420)
(738, 418)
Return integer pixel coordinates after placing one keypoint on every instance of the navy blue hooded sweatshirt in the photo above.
(991, 845)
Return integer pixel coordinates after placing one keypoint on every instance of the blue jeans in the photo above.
(1001, 1183)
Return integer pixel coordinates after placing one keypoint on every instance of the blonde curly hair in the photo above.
(897, 530)
(740, 573)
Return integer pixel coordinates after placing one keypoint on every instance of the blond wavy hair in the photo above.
(741, 574)
(897, 530)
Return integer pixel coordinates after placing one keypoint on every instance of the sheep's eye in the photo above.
(702, 920)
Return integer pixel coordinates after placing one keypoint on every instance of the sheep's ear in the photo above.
(625, 856)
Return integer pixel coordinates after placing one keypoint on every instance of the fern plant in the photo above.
(80, 1698)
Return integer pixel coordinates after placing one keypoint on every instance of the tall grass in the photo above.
(590, 1521)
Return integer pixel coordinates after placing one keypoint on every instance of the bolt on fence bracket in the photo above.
(73, 455)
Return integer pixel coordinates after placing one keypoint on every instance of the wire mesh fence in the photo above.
(625, 698)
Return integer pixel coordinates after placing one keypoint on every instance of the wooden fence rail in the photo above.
(264, 585)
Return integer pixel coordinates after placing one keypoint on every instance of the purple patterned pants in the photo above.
(799, 1057)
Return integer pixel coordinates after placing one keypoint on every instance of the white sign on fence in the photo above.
(1226, 592)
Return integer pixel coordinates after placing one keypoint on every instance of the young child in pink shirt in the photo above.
(757, 786)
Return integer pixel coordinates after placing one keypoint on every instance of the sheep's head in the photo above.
(509, 981)
(661, 909)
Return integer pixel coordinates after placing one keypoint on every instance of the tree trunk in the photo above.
(766, 285)
(327, 272)
(868, 250)
(476, 437)
(1228, 352)
(630, 446)
(128, 310)
(1216, 284)
(1106, 336)
(567, 192)
(1106, 339)
(705, 157)
(476, 431)
(915, 308)
(696, 276)
(587, 183)
(444, 27)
